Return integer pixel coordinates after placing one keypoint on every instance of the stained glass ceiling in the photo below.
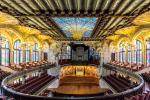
(70, 25)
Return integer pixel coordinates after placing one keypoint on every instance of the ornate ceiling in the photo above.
(111, 15)
(71, 26)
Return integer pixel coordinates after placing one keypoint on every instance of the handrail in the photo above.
(18, 95)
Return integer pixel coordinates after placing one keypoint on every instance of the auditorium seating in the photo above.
(3, 74)
(146, 76)
(32, 84)
(64, 61)
(143, 96)
(132, 66)
(119, 83)
(45, 93)
(28, 65)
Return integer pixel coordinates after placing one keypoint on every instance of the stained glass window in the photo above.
(18, 53)
(122, 53)
(134, 56)
(129, 53)
(27, 54)
(35, 54)
(70, 25)
(5, 54)
(139, 52)
(148, 52)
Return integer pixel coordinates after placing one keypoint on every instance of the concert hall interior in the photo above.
(74, 49)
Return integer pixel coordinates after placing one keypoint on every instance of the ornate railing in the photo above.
(115, 96)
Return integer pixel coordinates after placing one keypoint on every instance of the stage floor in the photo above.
(79, 89)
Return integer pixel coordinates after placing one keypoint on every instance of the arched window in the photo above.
(134, 56)
(18, 53)
(4, 54)
(122, 53)
(148, 52)
(35, 55)
(27, 54)
(139, 52)
(129, 53)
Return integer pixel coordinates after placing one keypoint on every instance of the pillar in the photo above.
(144, 54)
(11, 54)
(126, 54)
(132, 54)
(30, 58)
(24, 53)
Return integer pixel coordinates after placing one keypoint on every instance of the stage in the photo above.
(78, 90)
(78, 81)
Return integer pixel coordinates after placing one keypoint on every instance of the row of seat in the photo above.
(146, 76)
(68, 61)
(32, 85)
(119, 83)
(64, 61)
(45, 92)
(3, 74)
(143, 96)
(28, 65)
(132, 67)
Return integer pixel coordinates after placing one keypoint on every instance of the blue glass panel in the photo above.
(71, 25)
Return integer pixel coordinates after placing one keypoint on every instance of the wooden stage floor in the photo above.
(79, 90)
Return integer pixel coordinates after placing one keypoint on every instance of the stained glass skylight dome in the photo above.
(80, 25)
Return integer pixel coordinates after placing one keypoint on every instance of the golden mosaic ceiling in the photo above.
(129, 31)
(143, 19)
(27, 30)
(113, 16)
(7, 19)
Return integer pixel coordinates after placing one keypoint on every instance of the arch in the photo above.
(18, 53)
(139, 55)
(12, 32)
(5, 50)
(123, 40)
(139, 32)
(7, 36)
(31, 39)
(35, 52)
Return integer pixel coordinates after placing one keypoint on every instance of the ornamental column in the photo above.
(144, 61)
(11, 54)
(126, 54)
(30, 55)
